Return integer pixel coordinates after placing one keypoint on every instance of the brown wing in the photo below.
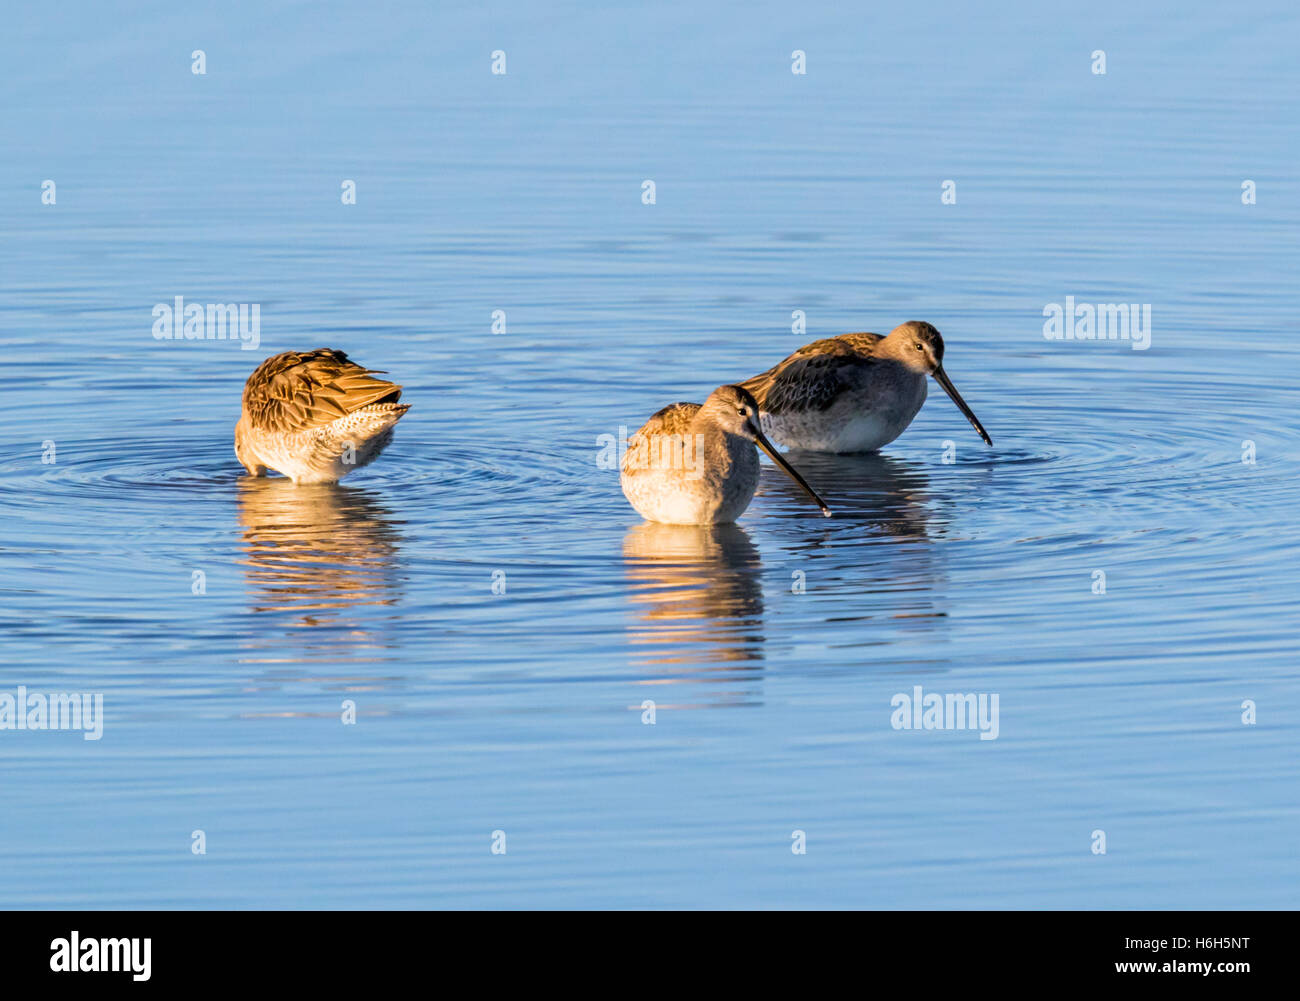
(299, 390)
(812, 377)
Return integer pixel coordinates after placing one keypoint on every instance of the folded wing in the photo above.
(298, 391)
(812, 377)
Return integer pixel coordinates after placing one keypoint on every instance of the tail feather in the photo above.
(356, 440)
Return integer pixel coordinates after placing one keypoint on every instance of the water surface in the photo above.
(484, 595)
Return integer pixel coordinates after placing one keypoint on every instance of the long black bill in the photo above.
(761, 440)
(941, 377)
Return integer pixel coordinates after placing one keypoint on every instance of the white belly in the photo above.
(714, 496)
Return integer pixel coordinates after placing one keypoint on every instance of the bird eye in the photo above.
(742, 413)
(918, 347)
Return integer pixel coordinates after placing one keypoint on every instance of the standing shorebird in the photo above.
(315, 416)
(693, 464)
(855, 392)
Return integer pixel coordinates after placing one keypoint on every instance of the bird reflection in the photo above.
(697, 596)
(889, 494)
(314, 556)
(893, 567)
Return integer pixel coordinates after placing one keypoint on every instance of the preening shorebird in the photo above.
(315, 416)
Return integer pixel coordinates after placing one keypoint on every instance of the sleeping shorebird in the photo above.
(697, 465)
(315, 416)
(855, 392)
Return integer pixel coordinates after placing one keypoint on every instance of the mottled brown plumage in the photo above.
(298, 390)
(315, 416)
(814, 376)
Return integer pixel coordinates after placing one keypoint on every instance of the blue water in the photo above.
(954, 567)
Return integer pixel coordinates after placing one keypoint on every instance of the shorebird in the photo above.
(855, 392)
(315, 416)
(693, 464)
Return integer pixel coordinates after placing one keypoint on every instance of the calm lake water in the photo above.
(485, 595)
